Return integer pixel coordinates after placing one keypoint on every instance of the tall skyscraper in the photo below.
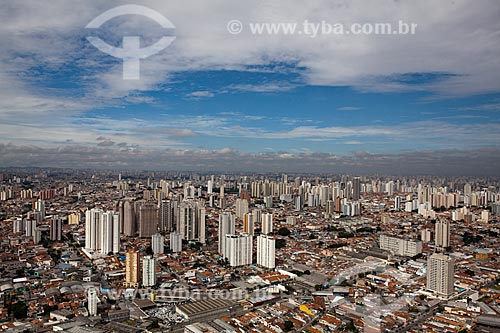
(37, 235)
(266, 251)
(168, 210)
(175, 241)
(92, 228)
(30, 226)
(440, 274)
(129, 218)
(56, 228)
(397, 202)
(442, 234)
(257, 215)
(109, 234)
(148, 219)
(356, 189)
(102, 231)
(267, 223)
(92, 301)
(248, 224)
(467, 189)
(241, 208)
(191, 221)
(222, 199)
(239, 249)
(158, 243)
(40, 207)
(132, 268)
(18, 226)
(226, 226)
(148, 271)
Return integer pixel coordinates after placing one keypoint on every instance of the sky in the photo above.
(422, 103)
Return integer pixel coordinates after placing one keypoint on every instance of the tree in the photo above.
(280, 243)
(469, 272)
(351, 327)
(155, 324)
(19, 310)
(288, 326)
(283, 231)
(344, 234)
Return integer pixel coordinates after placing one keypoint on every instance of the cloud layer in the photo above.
(54, 86)
(482, 162)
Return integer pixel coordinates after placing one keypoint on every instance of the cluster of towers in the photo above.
(237, 248)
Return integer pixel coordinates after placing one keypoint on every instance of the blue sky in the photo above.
(332, 102)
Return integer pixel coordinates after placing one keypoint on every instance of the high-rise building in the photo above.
(74, 218)
(442, 234)
(40, 207)
(37, 235)
(239, 249)
(168, 209)
(426, 235)
(191, 221)
(356, 189)
(257, 215)
(267, 223)
(129, 228)
(400, 246)
(397, 202)
(102, 231)
(18, 226)
(56, 228)
(210, 186)
(92, 301)
(268, 201)
(109, 234)
(266, 251)
(248, 224)
(148, 271)
(30, 226)
(158, 243)
(148, 219)
(226, 226)
(175, 242)
(467, 189)
(92, 227)
(440, 274)
(241, 208)
(132, 268)
(222, 199)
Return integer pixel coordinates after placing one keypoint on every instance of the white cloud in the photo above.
(349, 108)
(200, 94)
(481, 107)
(453, 37)
(443, 162)
(368, 62)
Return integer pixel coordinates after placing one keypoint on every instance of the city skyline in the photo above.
(250, 166)
(421, 103)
